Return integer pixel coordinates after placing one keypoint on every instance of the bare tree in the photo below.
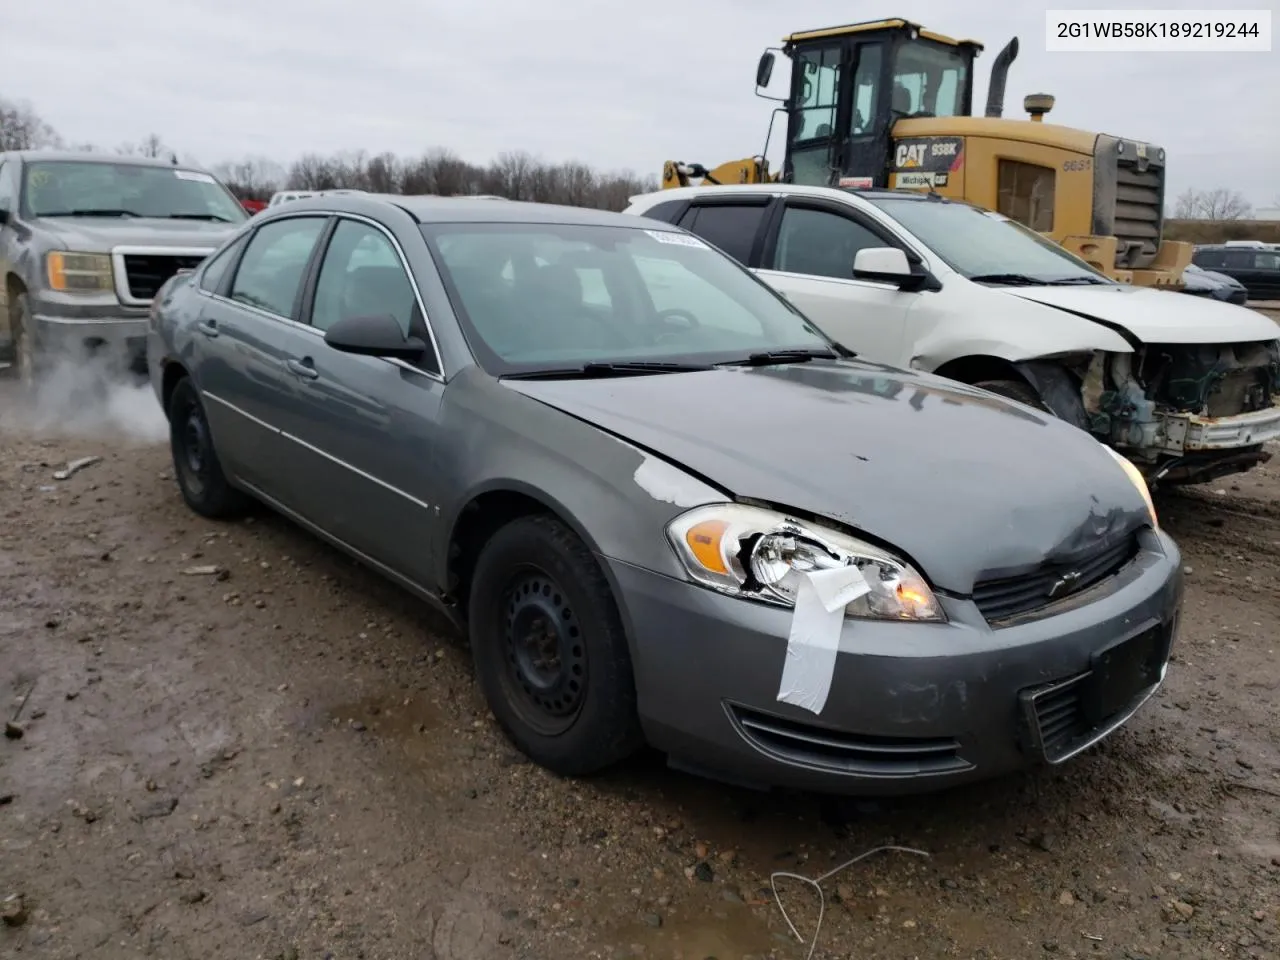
(253, 178)
(21, 128)
(513, 175)
(1218, 204)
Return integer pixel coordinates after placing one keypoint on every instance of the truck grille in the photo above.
(1128, 198)
(145, 273)
(1007, 597)
(1139, 203)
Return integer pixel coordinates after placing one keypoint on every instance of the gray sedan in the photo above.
(662, 505)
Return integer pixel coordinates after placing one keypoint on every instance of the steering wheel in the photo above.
(675, 313)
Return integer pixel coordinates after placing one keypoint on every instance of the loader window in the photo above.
(817, 75)
(866, 80)
(929, 80)
(1026, 194)
(811, 130)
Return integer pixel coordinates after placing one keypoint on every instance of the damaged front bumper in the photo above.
(913, 707)
(1188, 433)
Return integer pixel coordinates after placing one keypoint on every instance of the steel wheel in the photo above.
(546, 658)
(195, 460)
(549, 648)
(194, 450)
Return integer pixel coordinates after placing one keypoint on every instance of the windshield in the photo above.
(981, 243)
(61, 188)
(929, 80)
(550, 297)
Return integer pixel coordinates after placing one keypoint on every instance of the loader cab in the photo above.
(851, 84)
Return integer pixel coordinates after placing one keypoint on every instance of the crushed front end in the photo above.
(1187, 413)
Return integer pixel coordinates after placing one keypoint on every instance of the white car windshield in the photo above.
(554, 297)
(69, 188)
(986, 246)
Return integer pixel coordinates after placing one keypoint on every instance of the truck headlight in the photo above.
(759, 554)
(79, 272)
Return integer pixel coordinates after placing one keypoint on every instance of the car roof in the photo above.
(883, 193)
(85, 156)
(436, 209)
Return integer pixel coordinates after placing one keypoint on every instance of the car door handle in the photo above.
(302, 369)
(208, 327)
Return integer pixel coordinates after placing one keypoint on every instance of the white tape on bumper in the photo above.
(814, 640)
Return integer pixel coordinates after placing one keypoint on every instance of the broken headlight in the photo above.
(754, 553)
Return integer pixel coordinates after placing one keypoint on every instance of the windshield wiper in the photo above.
(197, 216)
(1009, 279)
(602, 369)
(100, 212)
(771, 357)
(1023, 280)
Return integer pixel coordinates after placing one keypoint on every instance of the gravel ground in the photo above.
(290, 760)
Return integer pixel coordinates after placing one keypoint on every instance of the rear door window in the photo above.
(733, 227)
(270, 273)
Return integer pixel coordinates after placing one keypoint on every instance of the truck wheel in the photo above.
(195, 462)
(22, 352)
(550, 653)
(1014, 390)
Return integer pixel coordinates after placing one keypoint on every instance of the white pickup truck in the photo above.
(1186, 387)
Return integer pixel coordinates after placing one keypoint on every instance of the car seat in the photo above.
(901, 99)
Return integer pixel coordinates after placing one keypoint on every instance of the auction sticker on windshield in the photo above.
(193, 175)
(678, 239)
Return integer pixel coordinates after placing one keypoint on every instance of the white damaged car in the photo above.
(1187, 388)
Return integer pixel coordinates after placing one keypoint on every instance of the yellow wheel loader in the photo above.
(890, 104)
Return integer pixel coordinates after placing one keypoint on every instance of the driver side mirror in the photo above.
(376, 336)
(889, 265)
(764, 70)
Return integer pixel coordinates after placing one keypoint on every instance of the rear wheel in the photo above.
(1014, 390)
(549, 649)
(195, 462)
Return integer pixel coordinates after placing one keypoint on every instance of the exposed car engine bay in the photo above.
(1196, 411)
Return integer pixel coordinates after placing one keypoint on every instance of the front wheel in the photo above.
(550, 653)
(22, 353)
(195, 462)
(1014, 390)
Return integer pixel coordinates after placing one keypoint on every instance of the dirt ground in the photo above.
(293, 762)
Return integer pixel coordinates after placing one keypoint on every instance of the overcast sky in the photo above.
(618, 85)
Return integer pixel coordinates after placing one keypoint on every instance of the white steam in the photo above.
(84, 395)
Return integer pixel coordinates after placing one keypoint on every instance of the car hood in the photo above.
(100, 235)
(1222, 278)
(1156, 316)
(963, 483)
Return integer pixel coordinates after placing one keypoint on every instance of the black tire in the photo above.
(195, 462)
(22, 353)
(550, 652)
(1014, 390)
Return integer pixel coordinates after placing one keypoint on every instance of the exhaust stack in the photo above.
(999, 74)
